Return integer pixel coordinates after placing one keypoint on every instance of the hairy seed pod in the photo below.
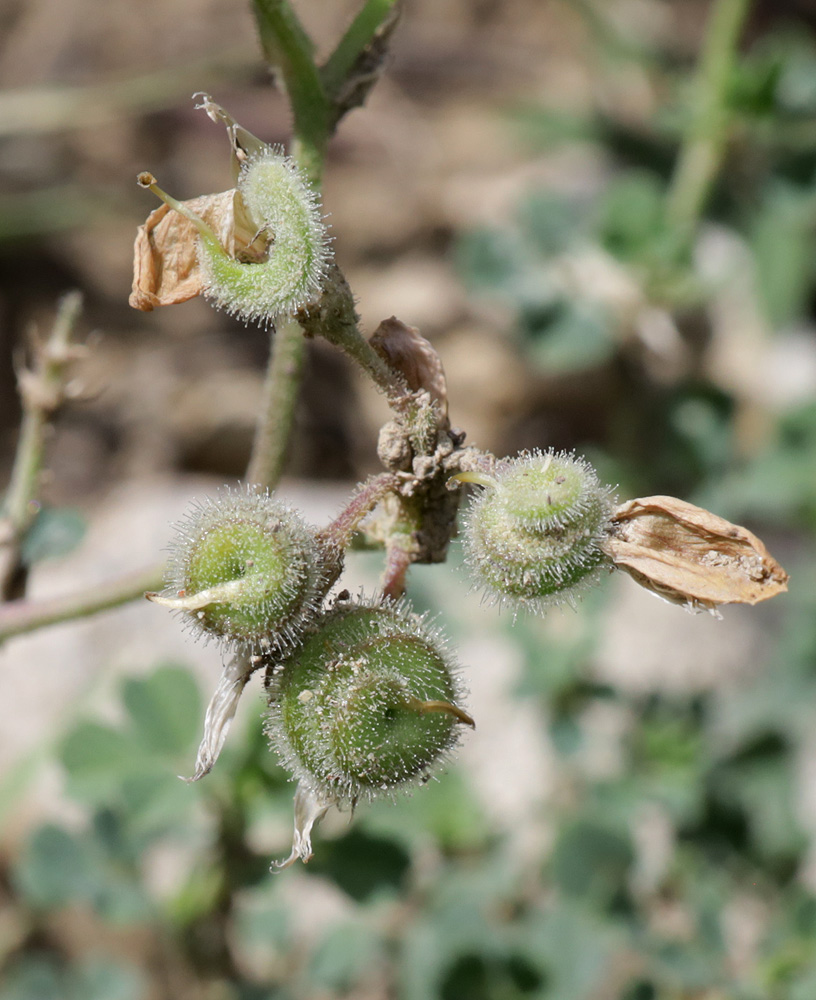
(259, 251)
(286, 209)
(245, 568)
(532, 537)
(365, 704)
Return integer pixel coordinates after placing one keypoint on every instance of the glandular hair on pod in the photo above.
(246, 569)
(367, 703)
(532, 535)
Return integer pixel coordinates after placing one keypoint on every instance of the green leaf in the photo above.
(577, 337)
(100, 978)
(345, 958)
(490, 259)
(56, 868)
(96, 758)
(33, 977)
(784, 246)
(165, 710)
(55, 532)
(445, 809)
(632, 215)
(548, 223)
(362, 864)
(591, 860)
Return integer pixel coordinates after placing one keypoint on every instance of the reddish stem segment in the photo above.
(362, 502)
(397, 562)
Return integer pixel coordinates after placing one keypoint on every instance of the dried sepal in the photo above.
(689, 556)
(310, 808)
(414, 357)
(221, 711)
(165, 255)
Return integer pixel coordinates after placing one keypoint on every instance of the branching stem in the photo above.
(19, 617)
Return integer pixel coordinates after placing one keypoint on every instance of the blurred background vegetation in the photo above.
(635, 816)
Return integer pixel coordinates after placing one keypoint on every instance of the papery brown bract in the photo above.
(689, 556)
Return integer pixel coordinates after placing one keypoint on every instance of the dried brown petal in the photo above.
(165, 256)
(690, 556)
(414, 357)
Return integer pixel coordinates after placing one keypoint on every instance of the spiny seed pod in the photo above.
(532, 538)
(365, 704)
(246, 568)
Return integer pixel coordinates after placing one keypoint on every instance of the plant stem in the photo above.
(362, 29)
(288, 48)
(334, 318)
(706, 139)
(42, 391)
(39, 403)
(277, 415)
(19, 617)
(363, 501)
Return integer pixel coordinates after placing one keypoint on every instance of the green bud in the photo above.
(367, 703)
(532, 537)
(245, 568)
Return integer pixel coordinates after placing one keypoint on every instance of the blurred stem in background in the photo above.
(707, 133)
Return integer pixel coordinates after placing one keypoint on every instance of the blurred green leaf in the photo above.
(591, 860)
(549, 223)
(56, 868)
(345, 958)
(96, 759)
(33, 977)
(55, 532)
(489, 259)
(631, 215)
(362, 864)
(105, 979)
(165, 710)
(577, 336)
(446, 810)
(783, 240)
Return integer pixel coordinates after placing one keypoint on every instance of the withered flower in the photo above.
(689, 556)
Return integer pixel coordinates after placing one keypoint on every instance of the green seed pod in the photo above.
(261, 253)
(365, 704)
(246, 569)
(282, 204)
(532, 538)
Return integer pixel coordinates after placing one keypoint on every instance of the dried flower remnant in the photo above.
(258, 251)
(689, 556)
(414, 357)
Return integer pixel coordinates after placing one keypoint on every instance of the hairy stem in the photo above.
(707, 136)
(277, 414)
(398, 559)
(334, 318)
(19, 617)
(364, 500)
